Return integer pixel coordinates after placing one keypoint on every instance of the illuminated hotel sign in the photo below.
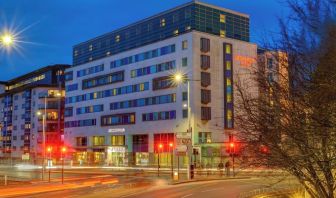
(244, 61)
(117, 130)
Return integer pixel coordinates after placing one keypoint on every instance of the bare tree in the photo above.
(291, 123)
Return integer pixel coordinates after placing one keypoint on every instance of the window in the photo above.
(162, 83)
(205, 96)
(205, 62)
(228, 49)
(98, 140)
(205, 45)
(205, 113)
(90, 109)
(184, 45)
(163, 99)
(153, 69)
(68, 111)
(90, 70)
(228, 65)
(81, 141)
(143, 56)
(80, 123)
(176, 32)
(108, 93)
(205, 79)
(118, 119)
(204, 137)
(140, 143)
(103, 80)
(185, 113)
(163, 22)
(222, 33)
(117, 140)
(117, 38)
(184, 96)
(184, 62)
(222, 18)
(270, 77)
(163, 115)
(71, 87)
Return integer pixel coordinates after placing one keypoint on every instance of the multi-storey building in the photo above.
(21, 98)
(121, 103)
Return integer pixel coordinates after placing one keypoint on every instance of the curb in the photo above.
(215, 179)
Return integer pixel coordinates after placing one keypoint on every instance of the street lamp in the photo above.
(49, 149)
(7, 39)
(171, 145)
(160, 146)
(44, 115)
(63, 150)
(179, 78)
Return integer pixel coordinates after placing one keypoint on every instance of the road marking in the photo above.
(186, 196)
(211, 189)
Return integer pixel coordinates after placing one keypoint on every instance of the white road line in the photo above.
(186, 196)
(211, 189)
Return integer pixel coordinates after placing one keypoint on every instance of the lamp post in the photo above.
(232, 152)
(171, 145)
(63, 150)
(180, 78)
(44, 115)
(159, 148)
(49, 149)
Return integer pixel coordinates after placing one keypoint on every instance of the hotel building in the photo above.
(121, 103)
(20, 100)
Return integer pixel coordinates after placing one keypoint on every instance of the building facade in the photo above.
(122, 106)
(21, 100)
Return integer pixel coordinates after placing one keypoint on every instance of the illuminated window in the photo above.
(163, 22)
(133, 74)
(228, 82)
(188, 27)
(228, 98)
(108, 53)
(228, 49)
(184, 44)
(222, 18)
(229, 115)
(90, 47)
(117, 38)
(176, 32)
(228, 65)
(117, 140)
(222, 33)
(98, 140)
(90, 59)
(114, 92)
(76, 53)
(95, 95)
(142, 87)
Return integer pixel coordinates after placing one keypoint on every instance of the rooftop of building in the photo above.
(35, 73)
(163, 13)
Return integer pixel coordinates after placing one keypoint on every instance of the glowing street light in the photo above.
(49, 149)
(179, 78)
(7, 39)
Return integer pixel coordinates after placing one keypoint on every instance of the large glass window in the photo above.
(118, 119)
(117, 140)
(103, 80)
(153, 69)
(155, 116)
(98, 140)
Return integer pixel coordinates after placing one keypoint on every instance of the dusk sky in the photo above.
(53, 27)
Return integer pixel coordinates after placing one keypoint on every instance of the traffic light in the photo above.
(160, 146)
(171, 145)
(49, 149)
(63, 149)
(264, 149)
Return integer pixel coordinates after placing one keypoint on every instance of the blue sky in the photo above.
(55, 26)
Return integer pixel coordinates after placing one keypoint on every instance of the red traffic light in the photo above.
(63, 149)
(232, 144)
(49, 149)
(160, 146)
(171, 144)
